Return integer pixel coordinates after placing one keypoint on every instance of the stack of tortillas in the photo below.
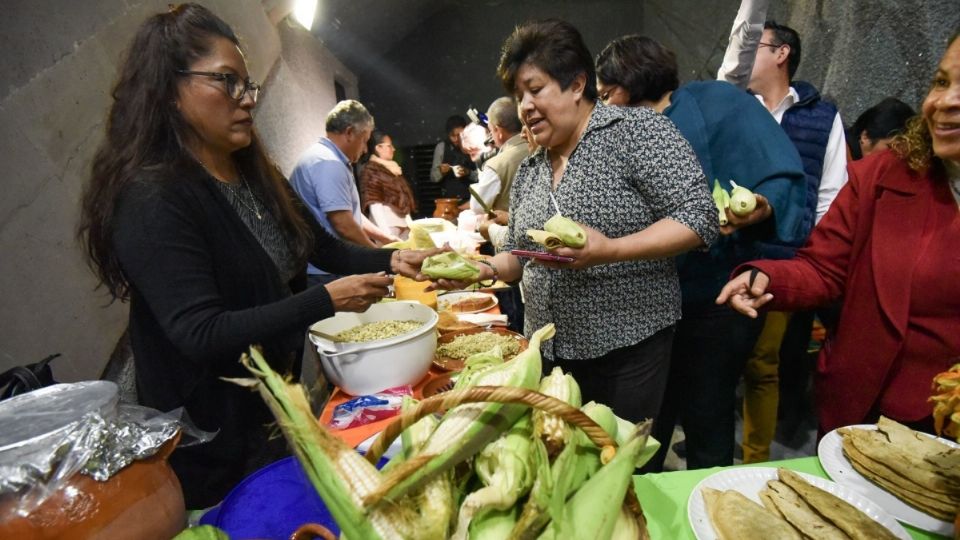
(919, 470)
(792, 509)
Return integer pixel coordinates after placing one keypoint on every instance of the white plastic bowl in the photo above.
(370, 367)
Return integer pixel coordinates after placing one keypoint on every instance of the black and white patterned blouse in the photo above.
(630, 169)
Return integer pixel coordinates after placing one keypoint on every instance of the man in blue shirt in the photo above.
(324, 180)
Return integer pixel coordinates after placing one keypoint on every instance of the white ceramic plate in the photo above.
(446, 300)
(750, 480)
(830, 452)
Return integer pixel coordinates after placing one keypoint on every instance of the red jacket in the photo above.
(865, 250)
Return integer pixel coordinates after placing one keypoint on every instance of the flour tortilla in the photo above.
(735, 517)
(842, 514)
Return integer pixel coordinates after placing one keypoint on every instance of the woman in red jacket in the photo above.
(888, 247)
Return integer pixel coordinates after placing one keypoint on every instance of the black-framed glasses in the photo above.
(771, 45)
(234, 86)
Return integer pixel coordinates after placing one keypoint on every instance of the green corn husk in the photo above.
(578, 460)
(331, 466)
(593, 511)
(506, 468)
(571, 233)
(476, 364)
(742, 200)
(466, 429)
(722, 200)
(544, 238)
(493, 524)
(203, 532)
(450, 265)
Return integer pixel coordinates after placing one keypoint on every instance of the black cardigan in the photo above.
(203, 290)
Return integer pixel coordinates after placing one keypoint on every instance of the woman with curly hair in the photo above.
(888, 248)
(186, 217)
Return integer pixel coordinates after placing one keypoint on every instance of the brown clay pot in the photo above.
(311, 531)
(447, 209)
(143, 501)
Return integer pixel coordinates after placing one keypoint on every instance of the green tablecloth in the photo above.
(664, 498)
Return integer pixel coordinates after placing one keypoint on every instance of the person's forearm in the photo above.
(351, 232)
(741, 49)
(374, 232)
(665, 238)
(508, 266)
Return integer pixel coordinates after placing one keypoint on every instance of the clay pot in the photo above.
(447, 209)
(143, 501)
(312, 531)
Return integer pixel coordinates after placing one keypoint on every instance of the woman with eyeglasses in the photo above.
(385, 194)
(186, 217)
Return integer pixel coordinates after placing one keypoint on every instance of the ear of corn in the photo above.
(466, 429)
(571, 233)
(552, 429)
(578, 460)
(625, 431)
(592, 511)
(203, 532)
(476, 364)
(506, 468)
(337, 472)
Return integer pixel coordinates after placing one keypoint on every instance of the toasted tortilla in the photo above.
(799, 514)
(937, 508)
(905, 483)
(735, 517)
(945, 460)
(842, 514)
(766, 497)
(902, 457)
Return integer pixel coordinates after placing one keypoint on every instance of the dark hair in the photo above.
(453, 122)
(555, 47)
(145, 129)
(641, 65)
(376, 137)
(784, 35)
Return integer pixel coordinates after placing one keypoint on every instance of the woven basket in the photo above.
(496, 394)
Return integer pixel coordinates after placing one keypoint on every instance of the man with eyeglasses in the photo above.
(323, 177)
(815, 127)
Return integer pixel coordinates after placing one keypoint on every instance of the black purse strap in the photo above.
(22, 379)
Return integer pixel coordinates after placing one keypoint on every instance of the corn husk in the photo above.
(569, 231)
(450, 265)
(544, 238)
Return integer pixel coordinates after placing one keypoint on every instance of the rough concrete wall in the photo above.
(858, 53)
(61, 59)
(300, 93)
(449, 62)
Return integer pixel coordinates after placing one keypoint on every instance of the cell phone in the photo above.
(541, 256)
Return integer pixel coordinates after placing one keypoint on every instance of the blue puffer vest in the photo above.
(808, 125)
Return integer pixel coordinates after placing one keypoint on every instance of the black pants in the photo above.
(710, 348)
(629, 380)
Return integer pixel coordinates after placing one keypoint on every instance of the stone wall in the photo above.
(59, 63)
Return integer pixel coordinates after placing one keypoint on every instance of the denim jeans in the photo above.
(630, 380)
(710, 348)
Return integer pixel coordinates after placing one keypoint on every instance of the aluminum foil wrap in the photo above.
(48, 435)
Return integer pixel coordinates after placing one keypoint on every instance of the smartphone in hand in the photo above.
(541, 256)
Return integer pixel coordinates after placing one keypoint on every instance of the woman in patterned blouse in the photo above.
(634, 183)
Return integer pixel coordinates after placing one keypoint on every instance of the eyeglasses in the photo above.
(771, 45)
(235, 87)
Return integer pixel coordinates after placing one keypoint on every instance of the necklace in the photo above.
(254, 207)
